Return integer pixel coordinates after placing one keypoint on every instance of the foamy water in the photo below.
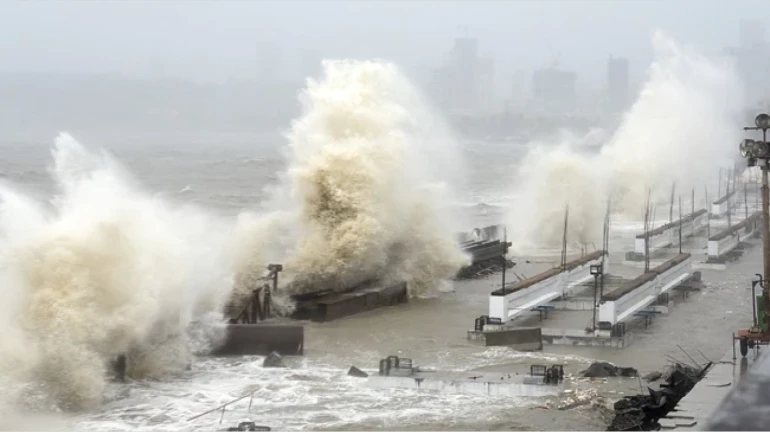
(681, 129)
(109, 252)
(367, 191)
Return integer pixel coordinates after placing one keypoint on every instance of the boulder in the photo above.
(273, 360)
(653, 376)
(356, 372)
(604, 370)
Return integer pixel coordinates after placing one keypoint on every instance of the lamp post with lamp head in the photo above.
(757, 153)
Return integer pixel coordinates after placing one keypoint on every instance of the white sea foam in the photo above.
(105, 269)
(368, 187)
(682, 128)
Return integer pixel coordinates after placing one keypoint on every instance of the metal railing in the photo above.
(223, 407)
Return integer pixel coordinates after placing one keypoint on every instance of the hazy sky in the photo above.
(217, 40)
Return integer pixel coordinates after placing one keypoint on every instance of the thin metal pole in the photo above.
(680, 225)
(746, 199)
(733, 343)
(766, 240)
(692, 212)
(596, 288)
(728, 203)
(754, 302)
(505, 263)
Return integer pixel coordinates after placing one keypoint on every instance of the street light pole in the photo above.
(765, 242)
(759, 153)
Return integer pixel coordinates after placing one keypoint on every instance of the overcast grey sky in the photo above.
(217, 40)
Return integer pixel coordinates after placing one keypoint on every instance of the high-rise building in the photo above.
(617, 84)
(464, 84)
(554, 89)
(464, 66)
(752, 61)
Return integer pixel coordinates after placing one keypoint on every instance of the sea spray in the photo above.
(366, 193)
(108, 269)
(682, 128)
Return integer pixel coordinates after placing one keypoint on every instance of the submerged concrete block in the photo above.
(338, 305)
(262, 339)
(521, 339)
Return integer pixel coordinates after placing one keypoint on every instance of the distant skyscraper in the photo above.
(752, 61)
(617, 84)
(465, 70)
(464, 82)
(554, 89)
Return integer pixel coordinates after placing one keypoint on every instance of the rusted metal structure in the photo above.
(487, 248)
(251, 330)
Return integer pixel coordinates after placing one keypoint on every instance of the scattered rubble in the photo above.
(603, 370)
(642, 412)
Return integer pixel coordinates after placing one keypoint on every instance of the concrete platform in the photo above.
(576, 337)
(694, 410)
(518, 338)
(262, 339)
(473, 383)
(331, 306)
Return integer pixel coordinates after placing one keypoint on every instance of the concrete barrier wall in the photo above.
(728, 239)
(262, 339)
(334, 306)
(520, 338)
(522, 296)
(629, 298)
(719, 207)
(668, 234)
(718, 248)
(677, 271)
(640, 292)
(659, 241)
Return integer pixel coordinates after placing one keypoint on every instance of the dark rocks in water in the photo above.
(653, 376)
(356, 372)
(603, 370)
(273, 360)
(642, 412)
(249, 426)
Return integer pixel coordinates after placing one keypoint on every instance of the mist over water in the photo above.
(367, 191)
(682, 128)
(103, 269)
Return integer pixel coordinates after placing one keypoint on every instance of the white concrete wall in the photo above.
(674, 276)
(624, 307)
(509, 306)
(720, 247)
(656, 242)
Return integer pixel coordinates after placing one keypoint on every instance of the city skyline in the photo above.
(217, 41)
